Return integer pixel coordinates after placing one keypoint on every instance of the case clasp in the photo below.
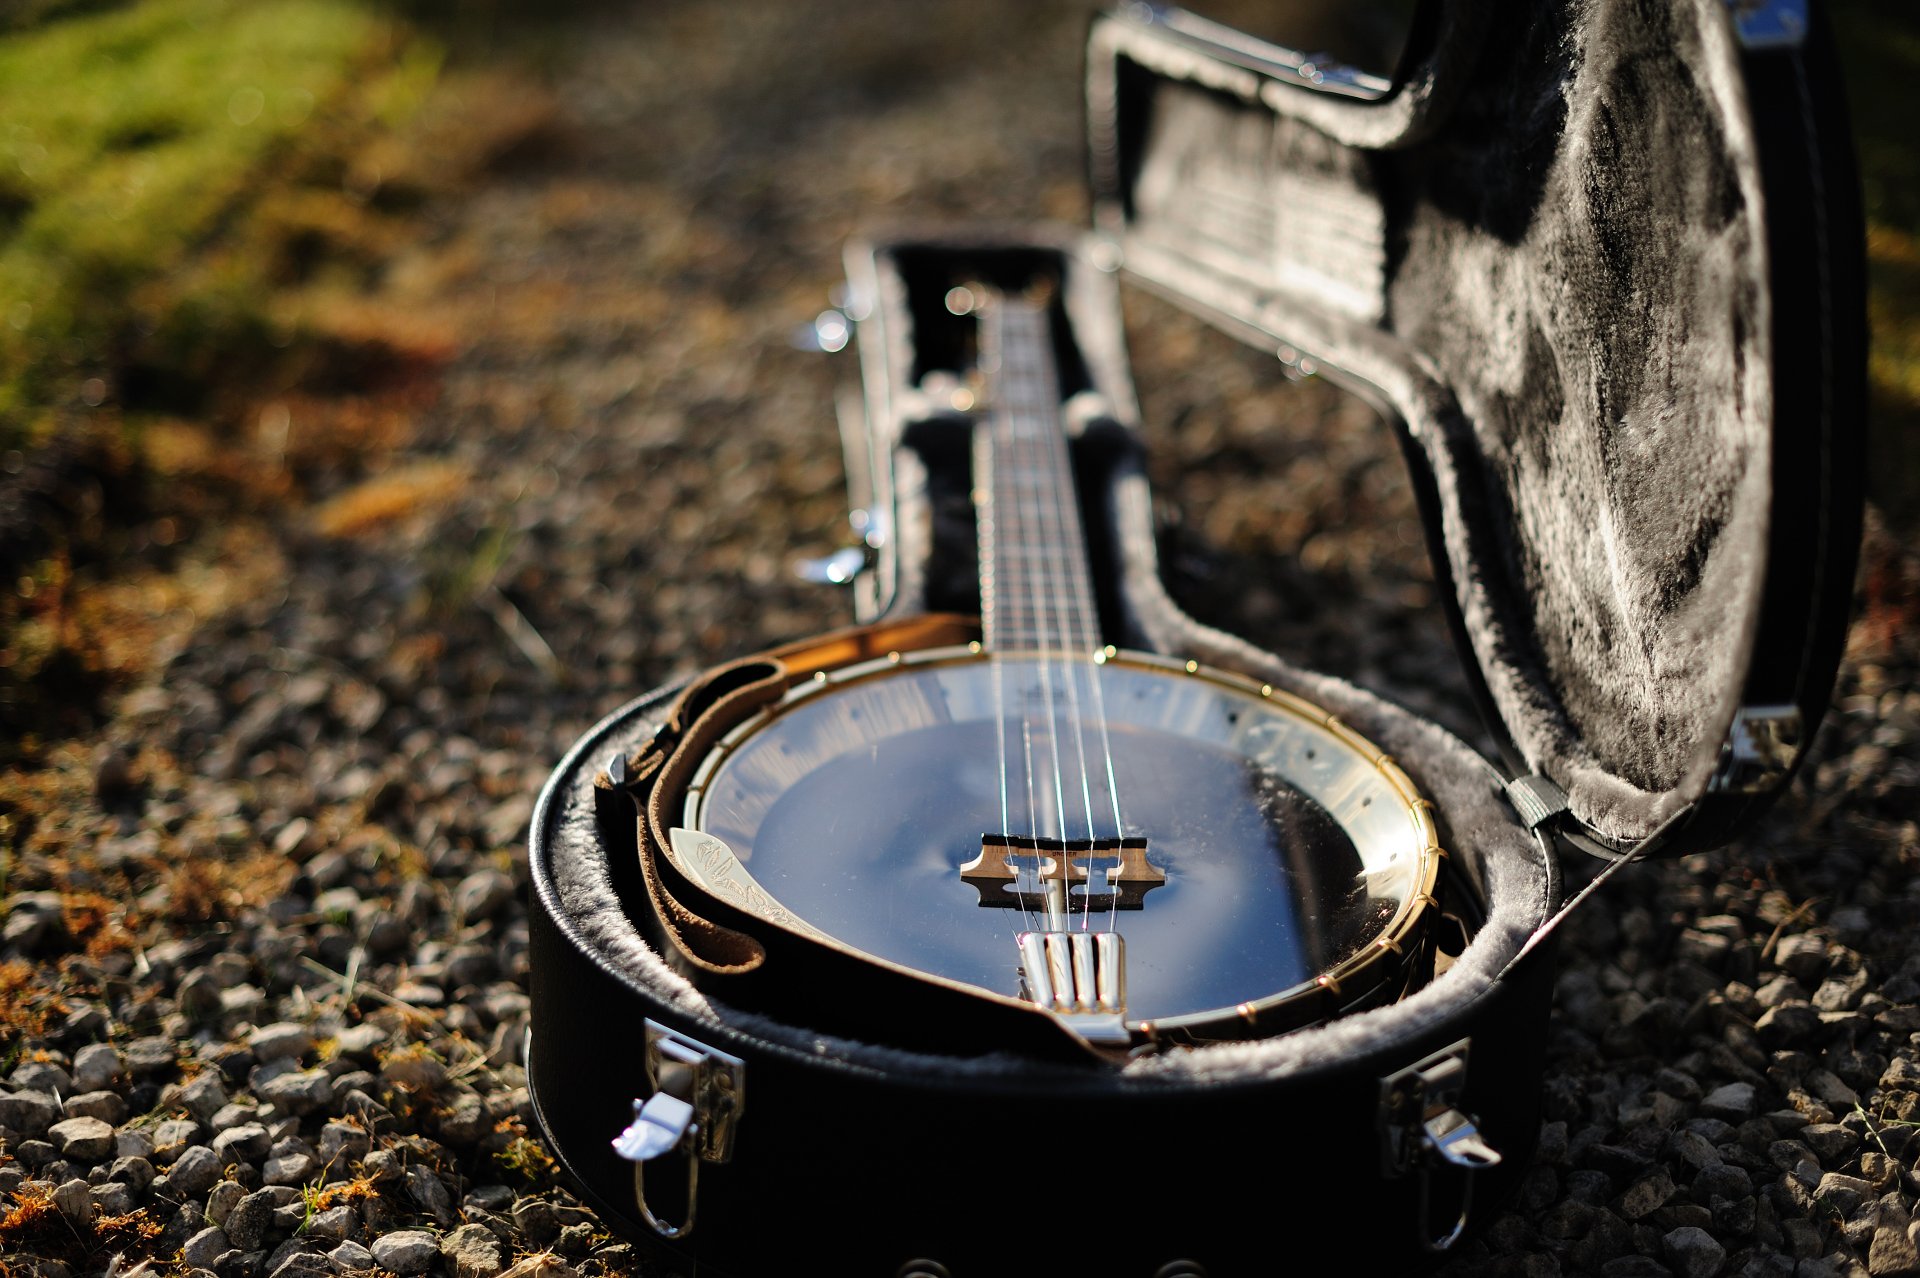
(698, 1096)
(1763, 745)
(1423, 1132)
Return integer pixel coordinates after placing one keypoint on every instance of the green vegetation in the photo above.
(129, 141)
(1880, 49)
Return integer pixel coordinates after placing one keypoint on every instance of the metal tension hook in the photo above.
(700, 1093)
(1423, 1130)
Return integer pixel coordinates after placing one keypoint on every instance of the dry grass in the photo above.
(399, 494)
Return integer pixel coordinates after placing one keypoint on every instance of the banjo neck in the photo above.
(1036, 591)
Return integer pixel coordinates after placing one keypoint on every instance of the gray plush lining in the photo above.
(1569, 313)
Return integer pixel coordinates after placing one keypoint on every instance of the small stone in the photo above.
(246, 1143)
(1831, 1141)
(536, 1218)
(289, 1169)
(225, 1197)
(465, 1122)
(85, 1139)
(109, 1107)
(1646, 1194)
(112, 1199)
(430, 1192)
(473, 1252)
(336, 1224)
(301, 1262)
(136, 1173)
(1802, 956)
(416, 1071)
(144, 1056)
(74, 1201)
(202, 1095)
(194, 1172)
(96, 1067)
(1792, 1024)
(283, 1038)
(350, 1257)
(481, 895)
(408, 1251)
(1731, 1102)
(359, 1042)
(1692, 1252)
(246, 1224)
(1841, 993)
(28, 1111)
(1893, 1251)
(172, 1137)
(133, 1143)
(299, 1093)
(204, 1248)
(343, 1142)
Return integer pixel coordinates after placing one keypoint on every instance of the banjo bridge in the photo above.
(1097, 874)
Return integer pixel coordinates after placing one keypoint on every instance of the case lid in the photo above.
(1601, 264)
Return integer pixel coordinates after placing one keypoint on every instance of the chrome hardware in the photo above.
(1081, 977)
(1098, 874)
(830, 331)
(870, 525)
(699, 1094)
(837, 569)
(1423, 1131)
(1769, 24)
(1763, 745)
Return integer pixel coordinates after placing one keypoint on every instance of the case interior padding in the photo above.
(1563, 291)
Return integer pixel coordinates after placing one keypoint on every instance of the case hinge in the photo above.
(1424, 1132)
(698, 1096)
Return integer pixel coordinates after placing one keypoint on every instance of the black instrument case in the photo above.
(1600, 267)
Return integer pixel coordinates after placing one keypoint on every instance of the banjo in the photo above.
(1145, 850)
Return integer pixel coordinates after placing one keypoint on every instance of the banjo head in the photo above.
(1299, 862)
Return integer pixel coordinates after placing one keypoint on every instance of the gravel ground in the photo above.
(266, 939)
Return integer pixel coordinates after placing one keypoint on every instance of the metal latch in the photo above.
(698, 1096)
(1423, 1132)
(1762, 747)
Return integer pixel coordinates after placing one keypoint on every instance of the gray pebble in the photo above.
(132, 1142)
(343, 1142)
(86, 1139)
(1692, 1252)
(108, 1107)
(202, 1095)
(136, 1173)
(96, 1067)
(350, 1257)
(360, 1042)
(31, 1112)
(74, 1201)
(408, 1251)
(1731, 1102)
(172, 1137)
(283, 1038)
(473, 1252)
(195, 1171)
(335, 1224)
(198, 996)
(42, 1076)
(113, 1199)
(222, 1200)
(430, 1192)
(481, 895)
(299, 1093)
(289, 1169)
(149, 1056)
(246, 1143)
(204, 1248)
(1645, 1195)
(247, 1223)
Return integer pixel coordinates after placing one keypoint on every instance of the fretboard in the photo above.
(1035, 589)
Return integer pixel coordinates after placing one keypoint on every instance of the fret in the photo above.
(1035, 584)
